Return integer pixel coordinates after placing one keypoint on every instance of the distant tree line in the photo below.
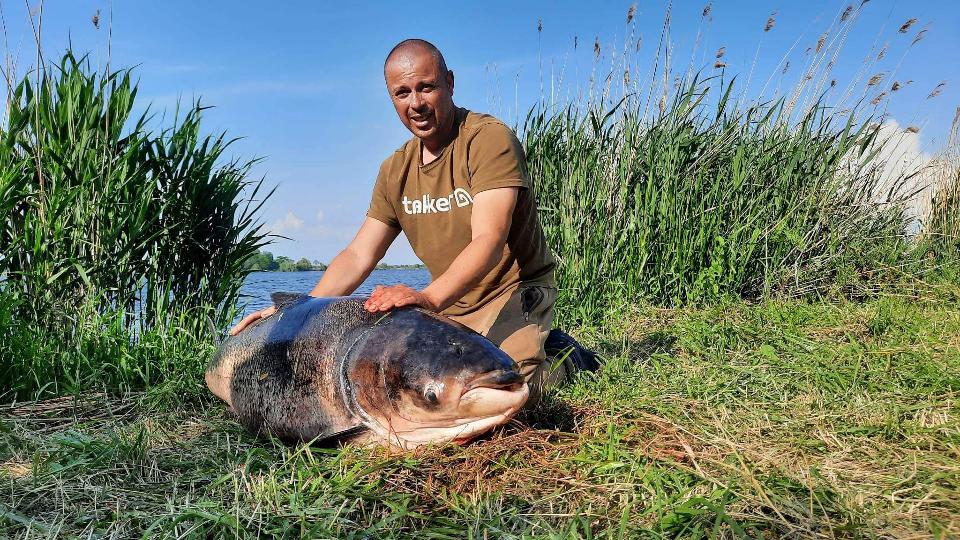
(264, 261)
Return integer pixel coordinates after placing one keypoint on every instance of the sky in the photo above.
(301, 82)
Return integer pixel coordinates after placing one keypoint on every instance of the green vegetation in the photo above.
(385, 266)
(118, 244)
(780, 419)
(705, 201)
(782, 352)
(677, 188)
(264, 261)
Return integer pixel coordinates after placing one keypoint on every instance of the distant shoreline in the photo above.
(378, 267)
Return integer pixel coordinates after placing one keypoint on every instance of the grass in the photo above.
(685, 184)
(98, 353)
(776, 419)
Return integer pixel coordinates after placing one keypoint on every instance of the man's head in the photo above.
(421, 88)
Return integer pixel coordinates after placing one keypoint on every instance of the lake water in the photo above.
(256, 290)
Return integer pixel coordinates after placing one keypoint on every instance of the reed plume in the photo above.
(906, 26)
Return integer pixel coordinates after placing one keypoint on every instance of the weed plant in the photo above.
(704, 201)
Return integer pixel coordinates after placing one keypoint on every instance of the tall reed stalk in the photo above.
(676, 187)
(705, 200)
(104, 219)
(942, 224)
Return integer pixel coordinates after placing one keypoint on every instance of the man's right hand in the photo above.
(251, 318)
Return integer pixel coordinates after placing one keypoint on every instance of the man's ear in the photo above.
(450, 80)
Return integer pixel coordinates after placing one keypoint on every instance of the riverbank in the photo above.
(774, 419)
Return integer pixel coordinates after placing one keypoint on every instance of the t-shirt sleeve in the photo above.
(496, 159)
(381, 205)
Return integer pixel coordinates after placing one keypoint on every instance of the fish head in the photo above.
(418, 378)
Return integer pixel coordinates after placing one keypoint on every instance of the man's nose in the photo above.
(416, 100)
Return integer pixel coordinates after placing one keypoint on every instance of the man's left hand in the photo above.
(386, 298)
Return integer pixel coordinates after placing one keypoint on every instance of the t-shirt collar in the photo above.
(461, 115)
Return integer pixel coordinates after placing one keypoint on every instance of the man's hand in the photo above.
(251, 318)
(387, 298)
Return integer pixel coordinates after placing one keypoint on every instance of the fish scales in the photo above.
(287, 383)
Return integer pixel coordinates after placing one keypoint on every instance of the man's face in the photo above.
(422, 96)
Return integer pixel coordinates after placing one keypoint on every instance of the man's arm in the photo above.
(348, 269)
(352, 265)
(490, 222)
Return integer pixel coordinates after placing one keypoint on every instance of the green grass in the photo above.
(691, 183)
(98, 353)
(782, 418)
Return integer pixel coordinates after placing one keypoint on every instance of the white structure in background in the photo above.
(907, 174)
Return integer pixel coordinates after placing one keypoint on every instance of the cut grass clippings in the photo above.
(768, 420)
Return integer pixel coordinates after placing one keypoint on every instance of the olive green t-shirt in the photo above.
(433, 203)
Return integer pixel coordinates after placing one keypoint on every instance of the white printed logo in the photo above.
(428, 205)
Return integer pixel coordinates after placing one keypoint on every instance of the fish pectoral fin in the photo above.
(344, 435)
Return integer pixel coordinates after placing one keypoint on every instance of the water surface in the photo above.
(258, 286)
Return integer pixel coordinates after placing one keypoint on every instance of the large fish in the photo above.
(325, 369)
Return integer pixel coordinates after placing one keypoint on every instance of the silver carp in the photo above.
(325, 370)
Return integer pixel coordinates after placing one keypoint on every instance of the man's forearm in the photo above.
(480, 255)
(345, 273)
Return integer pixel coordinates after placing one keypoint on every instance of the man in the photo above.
(460, 191)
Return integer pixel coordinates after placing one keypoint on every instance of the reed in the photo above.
(705, 201)
(942, 224)
(689, 187)
(108, 221)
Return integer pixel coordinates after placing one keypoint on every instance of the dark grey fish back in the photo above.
(288, 383)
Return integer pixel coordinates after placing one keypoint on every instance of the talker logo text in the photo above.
(428, 205)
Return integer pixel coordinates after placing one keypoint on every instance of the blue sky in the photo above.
(302, 82)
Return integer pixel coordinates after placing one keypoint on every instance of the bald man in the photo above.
(460, 192)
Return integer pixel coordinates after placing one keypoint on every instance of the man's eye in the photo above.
(402, 95)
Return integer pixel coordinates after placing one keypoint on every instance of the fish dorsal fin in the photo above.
(283, 299)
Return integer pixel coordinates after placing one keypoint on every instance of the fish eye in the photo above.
(431, 393)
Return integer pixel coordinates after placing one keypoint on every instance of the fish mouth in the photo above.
(503, 379)
(487, 401)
